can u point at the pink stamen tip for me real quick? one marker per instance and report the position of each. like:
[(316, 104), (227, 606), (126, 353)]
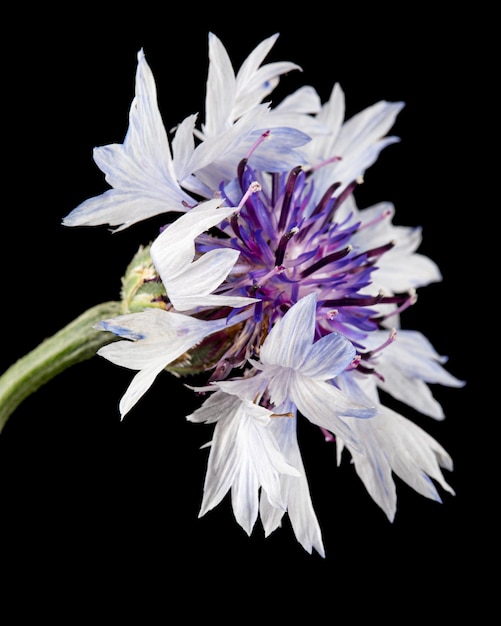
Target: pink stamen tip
[(326, 162), (391, 338), (263, 137), (410, 301), (329, 437), (355, 363), (254, 187), (332, 314), (379, 218), (278, 269)]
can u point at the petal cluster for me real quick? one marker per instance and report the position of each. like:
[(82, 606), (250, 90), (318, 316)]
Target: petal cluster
[(297, 374)]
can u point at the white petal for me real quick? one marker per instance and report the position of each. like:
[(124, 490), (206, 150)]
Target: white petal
[(139, 385), (244, 456), (229, 97), (193, 287), (304, 100), (221, 89), (407, 365), (213, 408), (174, 248), (411, 391), (393, 444), (358, 141), (398, 273), (374, 470), (157, 338), (417, 357), (183, 147), (254, 83), (295, 492), (189, 283), (324, 405), (332, 116), (140, 171), (368, 126)]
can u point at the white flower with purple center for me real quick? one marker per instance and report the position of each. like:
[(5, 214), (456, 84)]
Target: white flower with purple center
[(276, 286)]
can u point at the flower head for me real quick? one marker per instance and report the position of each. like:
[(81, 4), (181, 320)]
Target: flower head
[(276, 286)]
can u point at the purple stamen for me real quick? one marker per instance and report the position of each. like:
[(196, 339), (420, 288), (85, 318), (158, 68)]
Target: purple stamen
[(382, 216), (377, 252), (282, 245), (316, 167), (330, 258), (409, 301), (263, 137), (391, 338), (289, 190)]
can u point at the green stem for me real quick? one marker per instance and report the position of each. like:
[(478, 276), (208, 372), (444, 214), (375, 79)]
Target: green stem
[(74, 343)]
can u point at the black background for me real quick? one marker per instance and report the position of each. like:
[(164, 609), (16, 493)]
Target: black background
[(92, 508)]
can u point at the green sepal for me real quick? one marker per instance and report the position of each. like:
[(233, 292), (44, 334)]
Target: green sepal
[(141, 284)]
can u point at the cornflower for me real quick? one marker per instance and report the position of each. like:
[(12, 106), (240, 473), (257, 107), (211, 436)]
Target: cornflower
[(275, 286)]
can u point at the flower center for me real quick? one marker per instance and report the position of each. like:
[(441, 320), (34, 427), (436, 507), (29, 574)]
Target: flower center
[(289, 247)]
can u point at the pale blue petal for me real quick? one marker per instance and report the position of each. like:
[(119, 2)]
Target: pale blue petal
[(245, 498), (394, 445), (253, 90), (146, 138), (222, 149), (412, 391), (327, 357), (280, 152), (292, 335), (279, 381), (397, 272)]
